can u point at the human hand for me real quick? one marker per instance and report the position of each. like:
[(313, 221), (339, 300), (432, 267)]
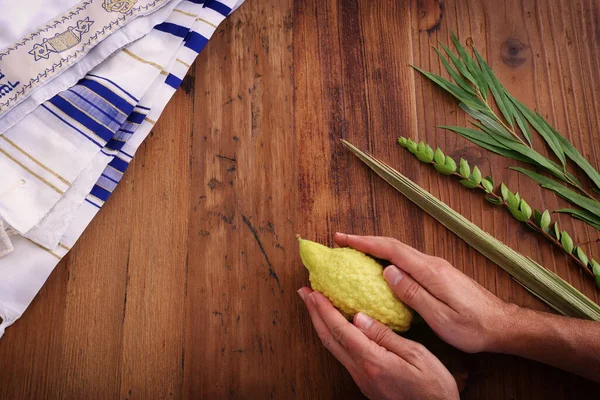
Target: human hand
[(383, 365), (458, 309)]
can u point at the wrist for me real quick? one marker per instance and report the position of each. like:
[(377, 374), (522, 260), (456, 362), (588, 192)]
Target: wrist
[(509, 329)]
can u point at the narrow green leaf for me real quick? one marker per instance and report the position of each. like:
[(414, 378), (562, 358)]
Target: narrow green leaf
[(476, 175), (464, 169), (583, 215), (566, 242), (576, 157), (468, 183), (543, 128), (592, 206), (455, 75), (459, 64), (453, 89), (487, 185), (525, 208), (482, 139), (581, 255), (545, 220), (471, 66), (439, 157), (496, 88), (488, 121), (521, 121)]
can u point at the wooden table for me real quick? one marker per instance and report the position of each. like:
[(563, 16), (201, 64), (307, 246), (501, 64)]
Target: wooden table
[(185, 284)]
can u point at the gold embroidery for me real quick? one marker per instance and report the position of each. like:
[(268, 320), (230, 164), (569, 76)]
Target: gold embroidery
[(122, 6), (206, 22), (185, 13), (150, 120), (183, 62)]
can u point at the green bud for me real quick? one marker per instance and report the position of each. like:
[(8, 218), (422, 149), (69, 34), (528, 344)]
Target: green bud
[(581, 255), (411, 146), (468, 183), (487, 185), (402, 141), (556, 231), (512, 201), (476, 175), (439, 156), (518, 214), (596, 271), (450, 163), (545, 220), (504, 190), (464, 169), (443, 169), (525, 209), (425, 155), (421, 146), (566, 242)]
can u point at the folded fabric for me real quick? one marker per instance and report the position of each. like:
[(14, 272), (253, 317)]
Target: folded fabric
[(24, 270), (43, 154), (34, 67)]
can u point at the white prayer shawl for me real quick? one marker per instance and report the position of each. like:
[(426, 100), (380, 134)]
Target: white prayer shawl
[(24, 270), (55, 53)]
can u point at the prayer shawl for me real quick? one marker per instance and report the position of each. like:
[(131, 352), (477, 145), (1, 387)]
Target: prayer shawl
[(61, 163)]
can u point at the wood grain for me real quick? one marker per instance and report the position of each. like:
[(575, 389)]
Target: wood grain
[(184, 285)]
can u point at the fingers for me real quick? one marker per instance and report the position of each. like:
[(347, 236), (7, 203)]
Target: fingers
[(413, 294), (323, 331), (342, 331), (411, 352)]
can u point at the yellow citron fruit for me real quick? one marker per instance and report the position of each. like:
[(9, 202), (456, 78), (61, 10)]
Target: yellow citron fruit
[(353, 282)]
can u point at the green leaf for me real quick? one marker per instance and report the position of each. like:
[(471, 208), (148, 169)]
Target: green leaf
[(443, 169), (426, 154), (487, 185), (459, 64), (581, 255), (488, 121), (596, 271), (504, 191), (496, 88), (525, 209), (518, 214), (439, 157), (537, 217), (543, 128), (464, 169), (566, 242), (521, 122), (512, 201), (592, 206), (482, 139), (402, 141), (545, 220), (468, 183), (450, 163), (583, 215), (453, 89), (493, 200), (455, 75), (576, 157), (471, 66), (556, 231), (476, 175)]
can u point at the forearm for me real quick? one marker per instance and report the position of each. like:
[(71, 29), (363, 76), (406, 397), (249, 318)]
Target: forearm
[(566, 343)]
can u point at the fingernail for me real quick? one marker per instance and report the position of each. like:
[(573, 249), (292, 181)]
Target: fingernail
[(393, 275), (301, 293), (313, 298), (363, 321)]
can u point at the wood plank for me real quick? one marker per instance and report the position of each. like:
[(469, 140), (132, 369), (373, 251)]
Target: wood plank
[(184, 285)]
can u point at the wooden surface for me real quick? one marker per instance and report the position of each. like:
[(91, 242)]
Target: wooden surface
[(184, 286)]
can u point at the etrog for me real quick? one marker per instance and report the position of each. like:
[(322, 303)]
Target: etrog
[(354, 283)]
